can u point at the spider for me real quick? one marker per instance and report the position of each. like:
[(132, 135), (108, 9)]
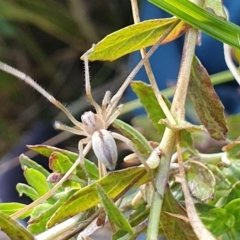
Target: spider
[(93, 126)]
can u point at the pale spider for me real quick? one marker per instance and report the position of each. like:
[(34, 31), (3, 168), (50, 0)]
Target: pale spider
[(93, 126)]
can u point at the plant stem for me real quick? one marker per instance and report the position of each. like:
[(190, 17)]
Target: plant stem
[(149, 71), (198, 227), (168, 141), (166, 146)]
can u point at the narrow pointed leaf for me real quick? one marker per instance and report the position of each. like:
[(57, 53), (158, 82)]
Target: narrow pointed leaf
[(12, 207), (27, 162), (112, 211), (27, 190), (46, 151), (155, 113), (206, 102), (135, 37), (38, 224), (13, 229), (135, 136), (175, 228), (202, 19), (150, 103), (113, 184), (37, 180)]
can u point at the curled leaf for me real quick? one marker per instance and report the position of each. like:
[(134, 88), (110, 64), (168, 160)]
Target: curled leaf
[(201, 181)]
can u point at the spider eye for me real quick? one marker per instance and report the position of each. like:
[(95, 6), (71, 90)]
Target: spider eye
[(105, 148)]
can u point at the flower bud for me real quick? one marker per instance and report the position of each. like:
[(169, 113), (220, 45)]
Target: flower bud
[(55, 177), (105, 148), (154, 159)]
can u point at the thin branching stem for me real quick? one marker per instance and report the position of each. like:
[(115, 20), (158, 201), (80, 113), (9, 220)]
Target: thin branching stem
[(168, 141), (149, 71), (198, 227), (114, 100)]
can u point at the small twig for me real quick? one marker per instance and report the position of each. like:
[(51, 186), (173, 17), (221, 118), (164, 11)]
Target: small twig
[(60, 229), (198, 227), (79, 228), (149, 71)]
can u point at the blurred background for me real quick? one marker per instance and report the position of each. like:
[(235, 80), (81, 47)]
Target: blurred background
[(44, 39)]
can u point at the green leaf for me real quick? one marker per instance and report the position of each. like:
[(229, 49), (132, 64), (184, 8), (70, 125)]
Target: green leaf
[(37, 211), (46, 151), (59, 163), (37, 180), (233, 208), (12, 207), (233, 122), (146, 127), (26, 162), (27, 190), (114, 184), (218, 220), (206, 102), (150, 103), (13, 229), (234, 193), (202, 19), (135, 37), (40, 226), (112, 211), (172, 227), (155, 113), (38, 223), (221, 180), (232, 172), (233, 150), (139, 141), (201, 181)]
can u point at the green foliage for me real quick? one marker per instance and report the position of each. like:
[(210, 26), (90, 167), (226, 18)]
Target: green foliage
[(127, 196), (202, 19)]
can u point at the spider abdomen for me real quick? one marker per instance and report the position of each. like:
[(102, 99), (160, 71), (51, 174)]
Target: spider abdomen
[(105, 148)]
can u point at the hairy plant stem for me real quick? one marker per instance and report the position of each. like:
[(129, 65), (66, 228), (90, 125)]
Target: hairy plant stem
[(168, 141)]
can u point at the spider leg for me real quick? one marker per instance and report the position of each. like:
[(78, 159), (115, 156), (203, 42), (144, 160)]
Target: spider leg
[(88, 85), (113, 115), (72, 130), (22, 76), (105, 102), (81, 154)]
